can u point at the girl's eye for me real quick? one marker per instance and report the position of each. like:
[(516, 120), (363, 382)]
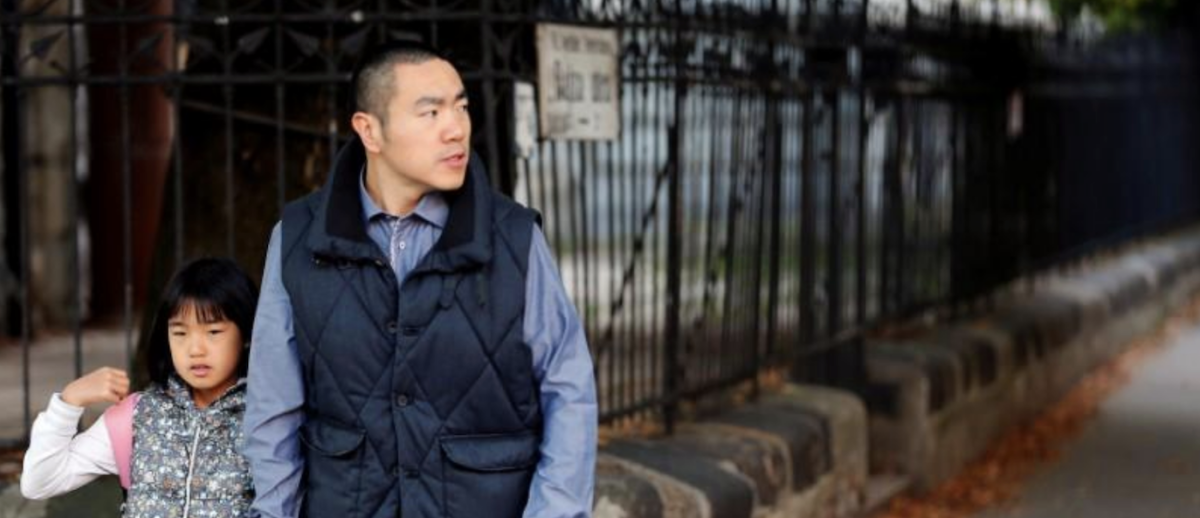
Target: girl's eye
[(178, 333), (215, 331), (462, 108)]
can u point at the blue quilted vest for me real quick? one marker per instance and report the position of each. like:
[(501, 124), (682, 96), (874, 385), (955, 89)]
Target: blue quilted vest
[(420, 397)]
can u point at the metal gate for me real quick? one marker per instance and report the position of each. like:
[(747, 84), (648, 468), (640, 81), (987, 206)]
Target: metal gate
[(789, 173)]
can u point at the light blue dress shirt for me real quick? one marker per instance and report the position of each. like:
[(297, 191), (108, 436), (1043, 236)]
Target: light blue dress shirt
[(563, 484)]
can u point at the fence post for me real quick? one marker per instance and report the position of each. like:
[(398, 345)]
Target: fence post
[(675, 143)]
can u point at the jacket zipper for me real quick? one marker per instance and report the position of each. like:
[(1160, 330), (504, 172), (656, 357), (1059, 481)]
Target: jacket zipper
[(187, 488)]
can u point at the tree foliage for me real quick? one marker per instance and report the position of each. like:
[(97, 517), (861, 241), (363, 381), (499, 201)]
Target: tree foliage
[(1121, 15)]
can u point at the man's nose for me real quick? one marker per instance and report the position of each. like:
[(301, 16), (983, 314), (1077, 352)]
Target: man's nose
[(456, 129)]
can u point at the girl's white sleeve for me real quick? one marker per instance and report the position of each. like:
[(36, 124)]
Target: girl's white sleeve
[(59, 461)]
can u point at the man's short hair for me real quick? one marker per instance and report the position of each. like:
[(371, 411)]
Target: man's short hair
[(374, 79)]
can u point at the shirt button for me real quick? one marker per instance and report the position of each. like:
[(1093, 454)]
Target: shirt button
[(402, 400), (392, 327), (402, 245)]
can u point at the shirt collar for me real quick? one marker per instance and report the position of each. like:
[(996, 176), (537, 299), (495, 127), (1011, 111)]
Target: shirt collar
[(432, 208)]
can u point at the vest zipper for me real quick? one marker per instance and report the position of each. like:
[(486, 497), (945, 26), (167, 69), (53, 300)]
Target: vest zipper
[(187, 488)]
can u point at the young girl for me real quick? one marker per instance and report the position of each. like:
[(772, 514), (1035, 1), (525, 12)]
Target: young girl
[(177, 445)]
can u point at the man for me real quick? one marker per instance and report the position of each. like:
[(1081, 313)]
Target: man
[(415, 353)]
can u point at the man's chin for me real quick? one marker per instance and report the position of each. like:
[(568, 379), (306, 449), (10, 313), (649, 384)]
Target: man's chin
[(450, 185), (452, 178)]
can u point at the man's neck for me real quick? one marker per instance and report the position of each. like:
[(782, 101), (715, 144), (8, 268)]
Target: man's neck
[(392, 194)]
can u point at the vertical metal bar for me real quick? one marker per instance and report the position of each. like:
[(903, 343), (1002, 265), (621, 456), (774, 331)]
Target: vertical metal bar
[(756, 232), (596, 244), (900, 214), (788, 233), (735, 169), (885, 224), (743, 238), (10, 132), (556, 200), (638, 340), (834, 269), (937, 216), (574, 206), (621, 335), (612, 241), (227, 91), (280, 106), (860, 283), (913, 221), (690, 282), (661, 284), (774, 167), (526, 171), (646, 195), (177, 150), (638, 160), (628, 234), (491, 119), (995, 121), (808, 252), (544, 203), (23, 191), (331, 70), (763, 163), (16, 190), (950, 252), (126, 188), (675, 223), (584, 236), (76, 310), (716, 129)]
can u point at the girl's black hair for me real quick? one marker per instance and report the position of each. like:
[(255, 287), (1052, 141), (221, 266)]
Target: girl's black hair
[(216, 289)]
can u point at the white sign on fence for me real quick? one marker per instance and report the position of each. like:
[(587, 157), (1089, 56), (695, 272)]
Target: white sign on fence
[(578, 81)]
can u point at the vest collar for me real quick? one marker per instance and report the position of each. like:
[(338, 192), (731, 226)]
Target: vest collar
[(232, 399), (339, 231)]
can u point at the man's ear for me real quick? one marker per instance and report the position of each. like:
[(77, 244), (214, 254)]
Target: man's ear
[(369, 129)]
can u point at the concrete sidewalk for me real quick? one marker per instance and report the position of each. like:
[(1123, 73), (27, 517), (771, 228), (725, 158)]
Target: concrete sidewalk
[(1139, 457)]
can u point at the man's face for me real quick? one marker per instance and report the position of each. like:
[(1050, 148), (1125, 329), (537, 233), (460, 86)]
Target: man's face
[(427, 137)]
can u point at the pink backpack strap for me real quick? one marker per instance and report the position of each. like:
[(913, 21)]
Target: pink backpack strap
[(118, 419)]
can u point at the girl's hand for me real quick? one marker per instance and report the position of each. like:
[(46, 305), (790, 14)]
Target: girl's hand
[(103, 384)]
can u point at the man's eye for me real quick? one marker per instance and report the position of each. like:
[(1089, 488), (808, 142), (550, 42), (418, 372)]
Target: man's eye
[(431, 113)]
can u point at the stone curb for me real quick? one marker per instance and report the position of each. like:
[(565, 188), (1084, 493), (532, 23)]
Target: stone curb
[(802, 452), (938, 400)]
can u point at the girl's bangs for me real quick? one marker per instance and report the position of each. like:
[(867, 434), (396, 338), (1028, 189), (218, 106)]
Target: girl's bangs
[(207, 311)]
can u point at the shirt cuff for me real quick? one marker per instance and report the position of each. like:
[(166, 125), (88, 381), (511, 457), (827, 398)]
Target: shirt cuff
[(62, 415)]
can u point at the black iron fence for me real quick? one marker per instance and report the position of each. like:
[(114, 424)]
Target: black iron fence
[(788, 174)]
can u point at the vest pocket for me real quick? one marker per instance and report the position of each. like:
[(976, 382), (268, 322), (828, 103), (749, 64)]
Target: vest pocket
[(333, 467), (488, 475)]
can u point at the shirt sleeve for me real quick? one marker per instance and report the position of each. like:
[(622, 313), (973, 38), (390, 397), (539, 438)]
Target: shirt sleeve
[(563, 484), (274, 397), (59, 461)]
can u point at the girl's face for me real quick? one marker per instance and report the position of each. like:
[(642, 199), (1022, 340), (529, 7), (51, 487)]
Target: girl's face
[(205, 355)]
